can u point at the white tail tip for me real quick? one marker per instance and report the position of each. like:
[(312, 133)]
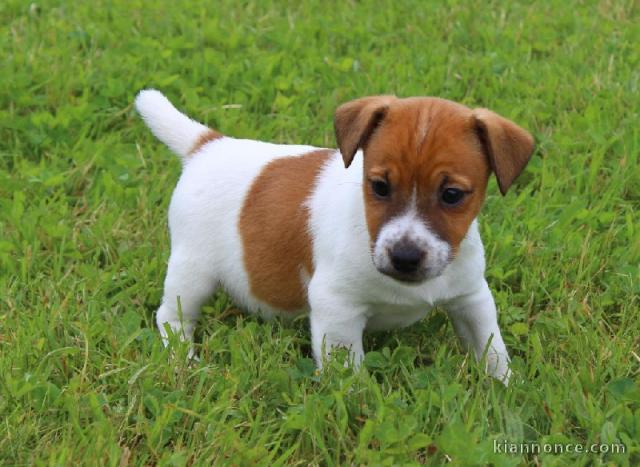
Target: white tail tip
[(168, 124)]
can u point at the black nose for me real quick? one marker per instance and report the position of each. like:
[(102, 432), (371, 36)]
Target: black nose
[(406, 258)]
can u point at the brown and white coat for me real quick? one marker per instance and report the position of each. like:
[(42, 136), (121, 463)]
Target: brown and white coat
[(369, 236)]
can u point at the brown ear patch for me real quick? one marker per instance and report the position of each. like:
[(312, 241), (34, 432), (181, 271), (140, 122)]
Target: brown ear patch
[(203, 139), (355, 122), (273, 225), (507, 146)]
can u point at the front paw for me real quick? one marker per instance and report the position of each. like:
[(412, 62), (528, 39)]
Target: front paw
[(350, 357), (498, 367)]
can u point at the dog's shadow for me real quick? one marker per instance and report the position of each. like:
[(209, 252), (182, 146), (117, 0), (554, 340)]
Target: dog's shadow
[(424, 337)]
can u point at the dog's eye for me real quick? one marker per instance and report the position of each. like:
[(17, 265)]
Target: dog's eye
[(452, 196), (380, 188)]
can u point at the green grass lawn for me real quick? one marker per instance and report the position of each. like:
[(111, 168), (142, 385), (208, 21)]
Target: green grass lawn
[(84, 189)]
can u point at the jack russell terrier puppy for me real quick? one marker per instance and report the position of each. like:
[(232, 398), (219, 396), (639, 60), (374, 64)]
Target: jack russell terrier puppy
[(366, 237)]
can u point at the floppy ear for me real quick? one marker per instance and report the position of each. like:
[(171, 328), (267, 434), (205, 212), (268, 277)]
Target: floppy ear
[(508, 146), (356, 121)]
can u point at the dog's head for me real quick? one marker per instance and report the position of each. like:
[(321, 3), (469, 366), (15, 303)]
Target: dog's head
[(426, 166)]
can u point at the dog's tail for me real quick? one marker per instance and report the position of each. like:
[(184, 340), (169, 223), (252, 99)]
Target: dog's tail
[(180, 133)]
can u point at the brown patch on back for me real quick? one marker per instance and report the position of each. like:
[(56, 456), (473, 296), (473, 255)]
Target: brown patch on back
[(274, 229), (203, 139)]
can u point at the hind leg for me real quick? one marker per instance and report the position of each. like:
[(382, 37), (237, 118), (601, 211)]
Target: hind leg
[(189, 283)]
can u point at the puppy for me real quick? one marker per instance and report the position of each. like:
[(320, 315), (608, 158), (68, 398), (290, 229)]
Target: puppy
[(366, 237)]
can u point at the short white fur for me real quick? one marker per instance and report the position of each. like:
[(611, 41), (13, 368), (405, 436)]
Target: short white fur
[(411, 227), (347, 294), (170, 126)]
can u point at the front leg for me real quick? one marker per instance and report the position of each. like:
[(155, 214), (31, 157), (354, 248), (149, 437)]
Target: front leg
[(475, 320), (335, 322)]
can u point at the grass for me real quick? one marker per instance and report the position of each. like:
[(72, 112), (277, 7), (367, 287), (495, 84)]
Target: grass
[(84, 189)]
